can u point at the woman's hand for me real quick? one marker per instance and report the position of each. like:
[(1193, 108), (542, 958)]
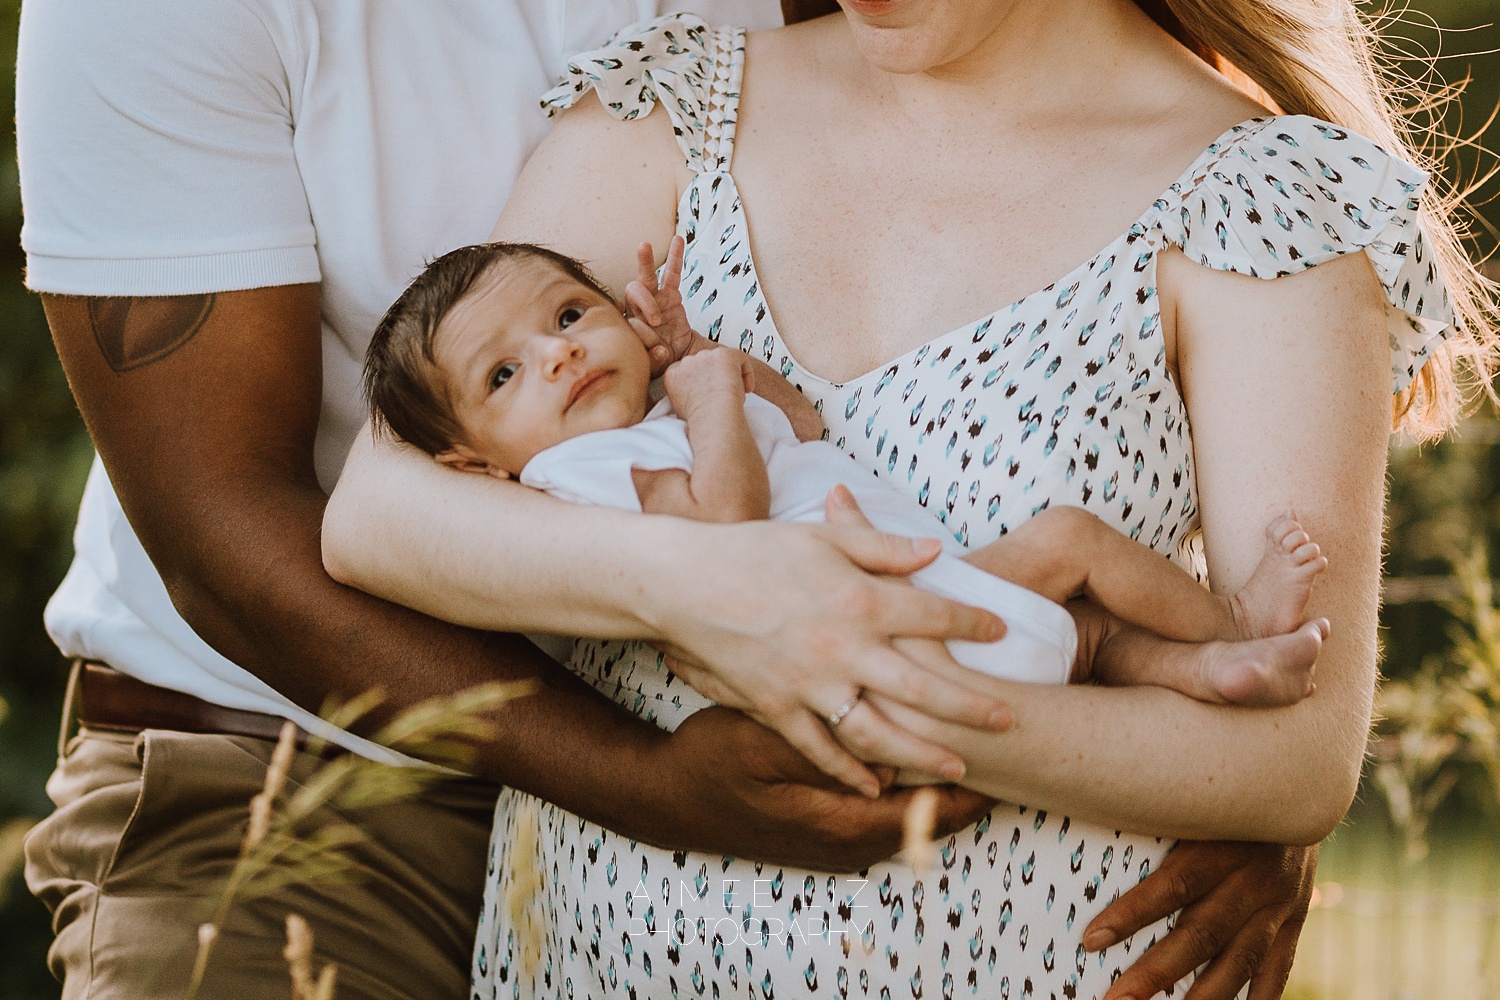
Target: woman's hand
[(792, 650), (1243, 906)]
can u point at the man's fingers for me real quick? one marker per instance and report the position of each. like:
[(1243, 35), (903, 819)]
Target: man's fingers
[(958, 809), (1238, 963), (1270, 979), (1188, 872), (1196, 939)]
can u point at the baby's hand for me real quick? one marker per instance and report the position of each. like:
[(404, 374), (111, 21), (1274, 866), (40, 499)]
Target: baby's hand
[(656, 311), (716, 375)]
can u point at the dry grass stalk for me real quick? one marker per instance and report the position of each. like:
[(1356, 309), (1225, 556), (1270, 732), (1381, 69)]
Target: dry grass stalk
[(917, 847), (299, 954), (522, 900), (290, 839), (276, 772), (12, 856), (208, 933), (12, 835)]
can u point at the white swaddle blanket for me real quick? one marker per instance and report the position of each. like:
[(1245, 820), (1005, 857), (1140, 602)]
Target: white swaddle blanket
[(1040, 641)]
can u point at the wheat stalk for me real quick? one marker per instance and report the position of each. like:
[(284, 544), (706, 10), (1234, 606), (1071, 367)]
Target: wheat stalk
[(279, 849), (917, 847)]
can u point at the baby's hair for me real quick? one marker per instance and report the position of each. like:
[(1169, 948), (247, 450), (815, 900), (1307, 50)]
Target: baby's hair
[(407, 395)]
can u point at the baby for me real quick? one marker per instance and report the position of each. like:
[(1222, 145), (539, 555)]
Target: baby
[(511, 360)]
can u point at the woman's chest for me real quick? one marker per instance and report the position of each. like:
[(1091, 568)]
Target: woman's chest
[(1062, 397), (987, 427), (864, 257)]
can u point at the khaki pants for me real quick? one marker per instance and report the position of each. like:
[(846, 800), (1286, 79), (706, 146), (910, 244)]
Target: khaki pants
[(147, 829)]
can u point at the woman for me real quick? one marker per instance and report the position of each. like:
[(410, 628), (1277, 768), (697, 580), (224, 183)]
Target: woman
[(905, 168)]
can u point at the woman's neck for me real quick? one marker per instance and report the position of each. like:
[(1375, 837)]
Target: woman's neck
[(1029, 60)]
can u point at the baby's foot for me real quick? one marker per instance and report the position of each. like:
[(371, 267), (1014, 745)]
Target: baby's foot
[(1273, 601), (1261, 672)]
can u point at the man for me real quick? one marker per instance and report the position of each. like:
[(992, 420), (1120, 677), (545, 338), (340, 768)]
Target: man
[(221, 198)]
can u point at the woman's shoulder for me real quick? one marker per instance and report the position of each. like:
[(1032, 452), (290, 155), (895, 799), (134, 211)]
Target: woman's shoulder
[(679, 61), (1279, 194), (1282, 193)]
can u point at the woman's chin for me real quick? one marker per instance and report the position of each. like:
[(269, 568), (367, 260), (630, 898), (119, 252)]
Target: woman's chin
[(884, 50), (912, 36)]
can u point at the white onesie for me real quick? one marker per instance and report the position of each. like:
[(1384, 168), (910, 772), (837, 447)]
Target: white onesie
[(1040, 640)]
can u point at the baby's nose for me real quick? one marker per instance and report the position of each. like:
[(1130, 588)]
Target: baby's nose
[(558, 352)]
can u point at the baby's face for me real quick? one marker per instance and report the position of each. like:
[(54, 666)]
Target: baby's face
[(531, 358)]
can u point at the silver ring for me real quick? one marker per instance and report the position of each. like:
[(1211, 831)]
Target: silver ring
[(839, 714)]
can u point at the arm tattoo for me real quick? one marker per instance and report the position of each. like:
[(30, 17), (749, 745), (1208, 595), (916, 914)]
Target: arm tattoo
[(132, 332)]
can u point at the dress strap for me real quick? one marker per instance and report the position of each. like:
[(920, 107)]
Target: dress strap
[(692, 69), (724, 98)]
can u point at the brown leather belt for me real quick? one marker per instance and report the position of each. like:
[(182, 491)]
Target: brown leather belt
[(114, 702)]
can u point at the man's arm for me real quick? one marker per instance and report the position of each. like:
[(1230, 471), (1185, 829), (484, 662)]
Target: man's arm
[(204, 410)]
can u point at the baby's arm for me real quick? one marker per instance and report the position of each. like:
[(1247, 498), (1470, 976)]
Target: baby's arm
[(657, 314), (728, 481)]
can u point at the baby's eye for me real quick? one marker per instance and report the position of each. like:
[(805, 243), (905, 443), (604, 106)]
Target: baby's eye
[(568, 317), (503, 374)]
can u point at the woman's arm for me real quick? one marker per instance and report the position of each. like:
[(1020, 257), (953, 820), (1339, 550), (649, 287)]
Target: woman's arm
[(1287, 386), (788, 648)]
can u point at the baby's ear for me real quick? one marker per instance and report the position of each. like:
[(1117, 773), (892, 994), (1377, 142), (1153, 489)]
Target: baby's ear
[(465, 459)]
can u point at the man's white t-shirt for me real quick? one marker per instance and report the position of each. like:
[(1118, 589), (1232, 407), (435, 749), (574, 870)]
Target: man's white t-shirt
[(172, 147)]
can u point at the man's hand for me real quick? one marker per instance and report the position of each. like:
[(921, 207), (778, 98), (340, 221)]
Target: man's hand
[(655, 308), (745, 792), (1243, 906)]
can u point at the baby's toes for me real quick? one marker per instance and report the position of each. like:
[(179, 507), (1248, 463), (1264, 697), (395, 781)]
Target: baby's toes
[(1294, 540), (1309, 556), (1283, 525)]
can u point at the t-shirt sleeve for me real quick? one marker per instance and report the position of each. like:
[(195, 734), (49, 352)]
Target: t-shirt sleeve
[(155, 141)]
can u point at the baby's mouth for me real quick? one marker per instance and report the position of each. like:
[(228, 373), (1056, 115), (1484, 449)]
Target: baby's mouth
[(585, 383)]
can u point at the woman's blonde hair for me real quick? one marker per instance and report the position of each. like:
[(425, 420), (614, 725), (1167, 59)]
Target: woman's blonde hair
[(1323, 58)]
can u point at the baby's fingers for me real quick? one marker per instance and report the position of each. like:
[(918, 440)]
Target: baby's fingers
[(672, 271), (661, 354), (642, 302), (645, 266)]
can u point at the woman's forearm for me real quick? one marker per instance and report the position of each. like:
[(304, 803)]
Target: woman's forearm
[(1150, 759), (487, 554)]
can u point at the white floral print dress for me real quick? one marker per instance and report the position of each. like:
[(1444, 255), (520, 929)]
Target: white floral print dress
[(1061, 397)]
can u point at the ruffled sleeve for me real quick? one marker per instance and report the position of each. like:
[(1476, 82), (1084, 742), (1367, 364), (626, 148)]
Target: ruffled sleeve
[(1276, 196), (670, 59)]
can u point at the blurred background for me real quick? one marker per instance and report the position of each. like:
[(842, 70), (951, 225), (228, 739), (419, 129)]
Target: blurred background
[(1408, 903)]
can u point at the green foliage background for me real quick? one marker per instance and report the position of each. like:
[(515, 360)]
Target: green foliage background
[(1442, 497)]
